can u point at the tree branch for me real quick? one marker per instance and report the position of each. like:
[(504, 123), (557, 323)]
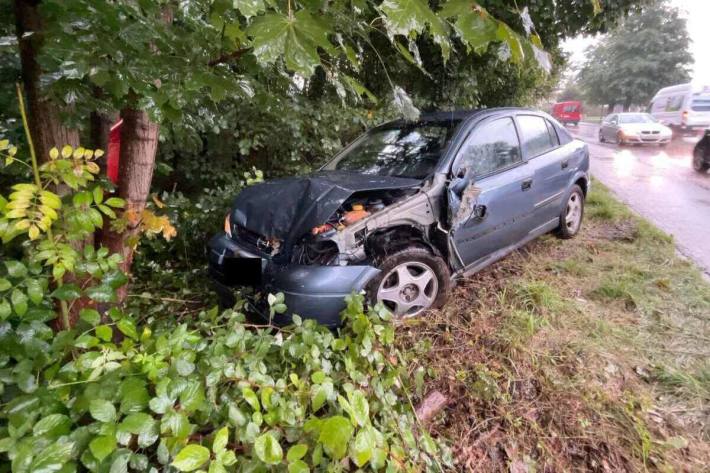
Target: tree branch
[(228, 57)]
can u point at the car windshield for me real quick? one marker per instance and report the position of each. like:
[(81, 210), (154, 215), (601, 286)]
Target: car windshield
[(411, 150), (636, 118)]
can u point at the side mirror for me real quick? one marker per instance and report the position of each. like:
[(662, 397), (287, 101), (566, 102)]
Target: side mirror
[(461, 172)]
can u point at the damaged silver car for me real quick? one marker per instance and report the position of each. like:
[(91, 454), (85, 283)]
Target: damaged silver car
[(403, 212)]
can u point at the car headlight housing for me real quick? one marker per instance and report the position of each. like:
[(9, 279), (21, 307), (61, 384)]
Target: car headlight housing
[(629, 133), (228, 225)]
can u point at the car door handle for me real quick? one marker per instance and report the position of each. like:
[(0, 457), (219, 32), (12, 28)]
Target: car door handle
[(564, 164), (527, 184)]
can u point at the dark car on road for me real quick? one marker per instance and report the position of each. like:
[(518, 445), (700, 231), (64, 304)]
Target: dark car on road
[(404, 211), (701, 153)]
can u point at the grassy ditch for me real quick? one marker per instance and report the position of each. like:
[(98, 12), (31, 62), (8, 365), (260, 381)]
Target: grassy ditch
[(586, 354)]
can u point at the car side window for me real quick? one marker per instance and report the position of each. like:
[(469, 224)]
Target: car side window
[(490, 147), (535, 135), (553, 133)]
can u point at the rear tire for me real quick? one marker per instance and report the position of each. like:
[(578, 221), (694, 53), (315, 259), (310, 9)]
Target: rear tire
[(572, 214), (411, 281)]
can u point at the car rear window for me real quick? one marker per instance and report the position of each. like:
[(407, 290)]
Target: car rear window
[(536, 135)]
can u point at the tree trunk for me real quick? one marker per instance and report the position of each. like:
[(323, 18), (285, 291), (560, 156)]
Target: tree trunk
[(44, 117), (139, 144)]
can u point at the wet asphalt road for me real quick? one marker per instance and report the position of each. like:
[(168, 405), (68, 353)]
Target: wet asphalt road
[(659, 184)]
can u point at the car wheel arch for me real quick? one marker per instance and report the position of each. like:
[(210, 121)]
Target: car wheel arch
[(385, 241)]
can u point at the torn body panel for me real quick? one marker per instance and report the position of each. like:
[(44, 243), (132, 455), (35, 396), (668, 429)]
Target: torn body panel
[(421, 211)]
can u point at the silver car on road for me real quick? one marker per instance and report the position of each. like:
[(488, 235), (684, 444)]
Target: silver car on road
[(637, 128)]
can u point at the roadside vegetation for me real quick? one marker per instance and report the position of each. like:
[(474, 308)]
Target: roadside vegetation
[(587, 354)]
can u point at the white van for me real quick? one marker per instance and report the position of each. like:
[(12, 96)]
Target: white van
[(685, 107)]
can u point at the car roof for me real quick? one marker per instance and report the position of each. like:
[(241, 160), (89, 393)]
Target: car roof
[(460, 115)]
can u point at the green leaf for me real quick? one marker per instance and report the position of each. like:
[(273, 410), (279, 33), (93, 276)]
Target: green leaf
[(102, 446), (101, 293), (67, 292), (299, 466), (363, 447), (19, 302), (410, 18), (16, 269), (137, 423), (251, 399), (115, 202), (335, 434), (474, 26), (360, 407), (175, 423), (191, 458), (53, 457), (98, 194), (102, 410), (5, 309), (115, 279), (296, 39), (296, 452), (34, 290), (249, 8), (4, 284), (268, 450), (192, 397), (220, 440), (104, 332), (53, 425), (128, 328), (90, 316)]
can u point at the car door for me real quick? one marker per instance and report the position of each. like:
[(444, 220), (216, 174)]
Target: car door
[(549, 163), (490, 193)]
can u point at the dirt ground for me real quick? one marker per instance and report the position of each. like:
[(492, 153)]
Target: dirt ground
[(588, 354)]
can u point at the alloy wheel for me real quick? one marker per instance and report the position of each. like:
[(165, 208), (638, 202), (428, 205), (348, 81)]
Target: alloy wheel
[(408, 289), (573, 214)]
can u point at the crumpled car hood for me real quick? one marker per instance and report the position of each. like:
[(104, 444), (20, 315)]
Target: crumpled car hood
[(288, 208)]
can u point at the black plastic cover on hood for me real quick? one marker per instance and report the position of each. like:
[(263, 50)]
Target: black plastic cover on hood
[(288, 208)]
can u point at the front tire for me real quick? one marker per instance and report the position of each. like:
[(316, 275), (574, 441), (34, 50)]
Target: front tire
[(699, 163), (601, 137), (572, 214), (411, 281)]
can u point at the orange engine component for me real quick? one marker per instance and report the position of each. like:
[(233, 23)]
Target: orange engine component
[(358, 212), (321, 229)]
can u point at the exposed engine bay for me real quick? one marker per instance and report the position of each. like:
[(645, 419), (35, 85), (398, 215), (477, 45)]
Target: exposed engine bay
[(321, 246)]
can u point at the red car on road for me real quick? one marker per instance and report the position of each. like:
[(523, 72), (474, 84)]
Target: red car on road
[(567, 112)]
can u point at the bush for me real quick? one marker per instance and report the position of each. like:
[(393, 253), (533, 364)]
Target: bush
[(216, 393)]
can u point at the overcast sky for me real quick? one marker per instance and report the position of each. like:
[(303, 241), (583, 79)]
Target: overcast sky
[(697, 12)]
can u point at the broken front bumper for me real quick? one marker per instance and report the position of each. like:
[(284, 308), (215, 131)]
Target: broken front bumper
[(312, 292)]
